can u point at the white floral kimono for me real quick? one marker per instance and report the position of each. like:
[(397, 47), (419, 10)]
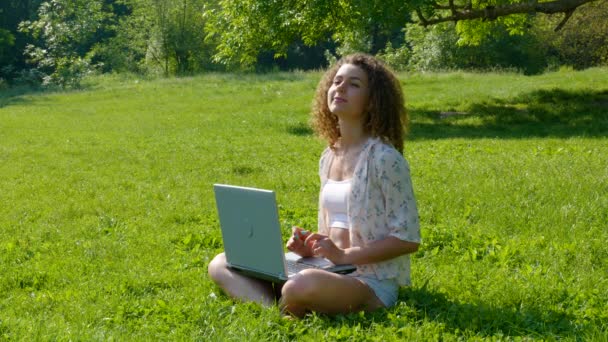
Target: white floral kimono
[(381, 204)]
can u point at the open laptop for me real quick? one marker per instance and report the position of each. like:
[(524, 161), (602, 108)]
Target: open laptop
[(251, 232)]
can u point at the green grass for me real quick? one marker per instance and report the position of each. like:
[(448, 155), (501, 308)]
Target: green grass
[(107, 218)]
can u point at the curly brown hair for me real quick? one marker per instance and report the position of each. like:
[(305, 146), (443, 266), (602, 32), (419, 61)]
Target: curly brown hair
[(386, 119)]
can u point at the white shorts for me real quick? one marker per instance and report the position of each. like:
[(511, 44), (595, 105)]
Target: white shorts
[(387, 290)]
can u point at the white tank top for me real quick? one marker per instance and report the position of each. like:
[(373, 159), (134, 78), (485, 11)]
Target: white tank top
[(334, 198)]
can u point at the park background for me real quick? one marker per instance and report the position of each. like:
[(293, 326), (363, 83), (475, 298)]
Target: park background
[(116, 117), (58, 42)]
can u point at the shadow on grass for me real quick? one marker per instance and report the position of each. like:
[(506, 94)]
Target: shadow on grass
[(15, 95), (542, 113), (300, 129), (465, 319), (485, 320)]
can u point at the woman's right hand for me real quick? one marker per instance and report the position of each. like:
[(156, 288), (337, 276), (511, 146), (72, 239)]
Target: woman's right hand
[(296, 242)]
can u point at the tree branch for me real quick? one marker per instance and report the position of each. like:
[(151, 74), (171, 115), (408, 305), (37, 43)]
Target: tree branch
[(458, 13), (563, 22), (423, 21), (450, 6)]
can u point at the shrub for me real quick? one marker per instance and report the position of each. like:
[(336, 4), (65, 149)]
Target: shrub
[(582, 42), (439, 48)]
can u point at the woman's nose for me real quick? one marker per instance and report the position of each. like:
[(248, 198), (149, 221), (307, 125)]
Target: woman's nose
[(340, 86)]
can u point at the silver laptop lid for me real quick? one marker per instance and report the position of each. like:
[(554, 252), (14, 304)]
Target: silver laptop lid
[(251, 232)]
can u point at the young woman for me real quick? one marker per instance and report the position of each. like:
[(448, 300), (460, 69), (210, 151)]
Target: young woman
[(367, 211)]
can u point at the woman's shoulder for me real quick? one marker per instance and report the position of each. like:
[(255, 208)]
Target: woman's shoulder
[(326, 151), (324, 160), (325, 154), (383, 152), (384, 159)]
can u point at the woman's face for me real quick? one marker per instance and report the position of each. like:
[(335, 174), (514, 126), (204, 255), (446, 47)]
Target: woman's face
[(348, 96)]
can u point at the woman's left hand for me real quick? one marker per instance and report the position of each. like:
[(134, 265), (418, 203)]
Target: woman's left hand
[(322, 245)]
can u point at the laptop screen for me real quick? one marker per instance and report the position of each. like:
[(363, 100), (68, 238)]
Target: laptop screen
[(250, 229)]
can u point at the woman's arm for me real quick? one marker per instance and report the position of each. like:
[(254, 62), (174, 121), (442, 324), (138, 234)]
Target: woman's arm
[(377, 251)]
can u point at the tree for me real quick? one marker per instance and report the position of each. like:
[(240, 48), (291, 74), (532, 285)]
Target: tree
[(434, 13), (178, 34), (124, 50), (244, 28), (583, 42), (13, 42), (436, 48), (7, 41), (166, 36), (65, 31), (247, 27)]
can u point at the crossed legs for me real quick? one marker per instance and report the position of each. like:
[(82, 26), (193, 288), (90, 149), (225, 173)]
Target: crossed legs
[(240, 286), (327, 293), (310, 290)]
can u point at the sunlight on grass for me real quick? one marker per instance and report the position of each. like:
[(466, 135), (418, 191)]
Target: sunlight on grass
[(108, 220)]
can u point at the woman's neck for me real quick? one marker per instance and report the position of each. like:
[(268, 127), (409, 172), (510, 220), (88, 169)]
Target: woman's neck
[(351, 134)]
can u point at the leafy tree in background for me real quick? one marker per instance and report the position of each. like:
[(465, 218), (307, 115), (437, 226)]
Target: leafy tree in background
[(437, 49), (65, 39), (434, 12), (124, 50), (65, 32), (178, 40), (247, 27), (166, 36), (582, 43), (13, 42), (70, 38), (7, 41), (244, 28)]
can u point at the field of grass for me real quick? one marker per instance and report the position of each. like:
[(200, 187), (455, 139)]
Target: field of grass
[(107, 218)]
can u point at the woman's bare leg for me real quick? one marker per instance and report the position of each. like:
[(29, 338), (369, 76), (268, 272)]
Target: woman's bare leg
[(328, 293), (240, 286)]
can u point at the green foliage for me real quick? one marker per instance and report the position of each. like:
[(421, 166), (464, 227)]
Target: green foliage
[(13, 42), (431, 49), (582, 42), (475, 32), (245, 28), (125, 51), (7, 40), (439, 48), (109, 221), (65, 30), (397, 58), (177, 37), (66, 39), (160, 36), (76, 37)]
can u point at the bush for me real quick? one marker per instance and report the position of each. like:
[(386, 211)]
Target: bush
[(29, 77), (396, 58), (582, 42), (68, 72), (438, 48)]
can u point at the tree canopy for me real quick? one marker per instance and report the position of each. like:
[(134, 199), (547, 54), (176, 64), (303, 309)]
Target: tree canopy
[(248, 26), (59, 41), (435, 12)]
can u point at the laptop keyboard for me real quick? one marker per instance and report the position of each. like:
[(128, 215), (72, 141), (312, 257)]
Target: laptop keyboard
[(295, 267)]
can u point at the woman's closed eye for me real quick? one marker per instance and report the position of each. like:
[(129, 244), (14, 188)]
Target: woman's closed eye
[(352, 84)]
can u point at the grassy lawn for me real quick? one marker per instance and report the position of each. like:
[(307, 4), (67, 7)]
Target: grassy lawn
[(107, 218)]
